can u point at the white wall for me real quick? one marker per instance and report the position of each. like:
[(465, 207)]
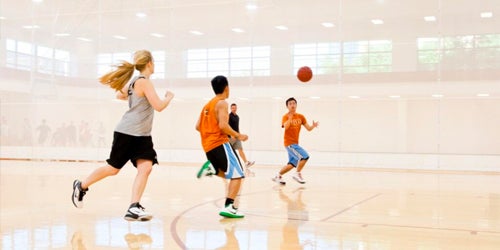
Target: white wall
[(407, 133)]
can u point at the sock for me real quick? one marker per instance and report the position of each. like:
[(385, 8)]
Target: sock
[(228, 202), (135, 204)]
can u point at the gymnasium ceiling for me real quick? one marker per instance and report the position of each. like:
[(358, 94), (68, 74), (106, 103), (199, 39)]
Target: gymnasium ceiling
[(113, 25)]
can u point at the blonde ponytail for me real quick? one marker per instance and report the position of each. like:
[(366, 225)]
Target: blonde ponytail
[(118, 78)]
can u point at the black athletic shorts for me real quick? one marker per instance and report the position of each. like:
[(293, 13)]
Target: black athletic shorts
[(127, 147)]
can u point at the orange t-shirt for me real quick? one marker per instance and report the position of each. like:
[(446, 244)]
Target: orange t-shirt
[(292, 133), (211, 135)]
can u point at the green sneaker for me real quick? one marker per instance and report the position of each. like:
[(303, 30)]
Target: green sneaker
[(231, 212), (206, 170)]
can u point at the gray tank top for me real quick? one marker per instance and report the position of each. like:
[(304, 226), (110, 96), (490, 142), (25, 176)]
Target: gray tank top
[(138, 120)]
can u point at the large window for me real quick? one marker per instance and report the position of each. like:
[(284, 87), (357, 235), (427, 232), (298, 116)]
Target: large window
[(47, 60), (459, 52), (354, 57), (107, 61), (236, 62), (322, 58), (367, 56)]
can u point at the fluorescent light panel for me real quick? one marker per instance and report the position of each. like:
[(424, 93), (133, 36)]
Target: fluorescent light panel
[(430, 18), (195, 32), (486, 14), (157, 35), (327, 25), (237, 30)]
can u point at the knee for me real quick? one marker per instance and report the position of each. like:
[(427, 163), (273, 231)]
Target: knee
[(145, 169), (113, 171)]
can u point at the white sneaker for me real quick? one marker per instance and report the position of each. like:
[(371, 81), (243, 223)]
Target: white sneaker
[(298, 177), (279, 179), (136, 213), (230, 212), (249, 164), (78, 193)]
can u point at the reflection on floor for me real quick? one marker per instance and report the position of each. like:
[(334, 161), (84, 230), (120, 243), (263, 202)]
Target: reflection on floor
[(336, 209)]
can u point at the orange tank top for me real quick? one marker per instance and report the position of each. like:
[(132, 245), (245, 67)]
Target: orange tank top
[(291, 135), (211, 135)]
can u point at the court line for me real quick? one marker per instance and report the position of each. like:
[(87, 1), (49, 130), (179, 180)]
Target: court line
[(472, 231), (348, 208), (173, 224)]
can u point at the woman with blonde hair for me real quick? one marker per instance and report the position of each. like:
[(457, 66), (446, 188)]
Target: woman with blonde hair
[(132, 136)]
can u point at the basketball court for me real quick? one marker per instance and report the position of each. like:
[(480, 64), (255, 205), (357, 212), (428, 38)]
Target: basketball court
[(335, 209), (401, 108)]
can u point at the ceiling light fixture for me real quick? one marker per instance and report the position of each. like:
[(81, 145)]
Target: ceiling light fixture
[(237, 30), (430, 18), (328, 25), (157, 35), (281, 27), (62, 34), (251, 6), (483, 95), (84, 39), (486, 14), (120, 37), (437, 95), (31, 26), (195, 32), (377, 21), (141, 15)]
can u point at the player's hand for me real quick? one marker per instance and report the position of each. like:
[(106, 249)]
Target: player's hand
[(242, 137), (315, 124), (169, 95)]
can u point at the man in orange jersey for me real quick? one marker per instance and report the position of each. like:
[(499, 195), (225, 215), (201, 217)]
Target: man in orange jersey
[(297, 156), (222, 159)]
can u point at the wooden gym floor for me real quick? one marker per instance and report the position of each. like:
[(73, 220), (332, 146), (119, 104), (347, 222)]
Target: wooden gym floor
[(335, 209)]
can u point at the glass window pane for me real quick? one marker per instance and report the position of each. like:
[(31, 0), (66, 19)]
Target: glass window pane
[(62, 55), (197, 54), (197, 74), (241, 64), (218, 53), (261, 63), (45, 52), (25, 48), (197, 66), (118, 57), (380, 45), (304, 49), (11, 45), (104, 58), (428, 43), (216, 65), (262, 51), (11, 59), (241, 52), (305, 60), (45, 65)]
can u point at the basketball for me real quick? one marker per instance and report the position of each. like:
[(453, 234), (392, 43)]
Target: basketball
[(304, 74)]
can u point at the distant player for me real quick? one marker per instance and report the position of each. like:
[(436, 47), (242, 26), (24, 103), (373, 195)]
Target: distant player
[(234, 122), (292, 122)]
